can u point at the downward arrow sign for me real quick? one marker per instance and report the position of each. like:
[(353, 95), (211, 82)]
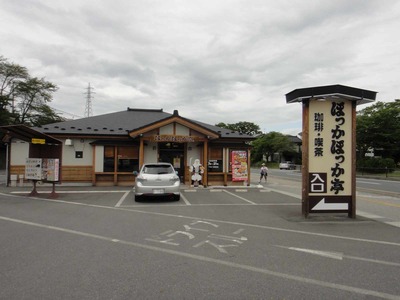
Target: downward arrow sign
[(322, 205)]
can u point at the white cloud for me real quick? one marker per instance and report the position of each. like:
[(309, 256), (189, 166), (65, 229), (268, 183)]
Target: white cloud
[(214, 61)]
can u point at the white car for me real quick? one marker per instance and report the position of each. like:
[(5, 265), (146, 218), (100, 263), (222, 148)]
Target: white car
[(287, 165), (157, 179)]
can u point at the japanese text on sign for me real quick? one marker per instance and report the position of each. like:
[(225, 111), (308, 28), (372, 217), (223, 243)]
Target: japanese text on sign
[(329, 146), (337, 147)]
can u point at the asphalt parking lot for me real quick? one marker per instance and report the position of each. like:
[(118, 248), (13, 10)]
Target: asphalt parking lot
[(215, 243)]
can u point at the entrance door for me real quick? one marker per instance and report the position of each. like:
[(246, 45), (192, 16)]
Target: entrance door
[(174, 154)]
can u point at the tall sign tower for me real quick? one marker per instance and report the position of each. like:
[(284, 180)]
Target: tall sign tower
[(329, 147), (89, 96)]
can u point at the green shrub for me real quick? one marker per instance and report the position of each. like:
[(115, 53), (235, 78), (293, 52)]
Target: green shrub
[(376, 165)]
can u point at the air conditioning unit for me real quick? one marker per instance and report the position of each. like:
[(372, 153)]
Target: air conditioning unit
[(68, 142)]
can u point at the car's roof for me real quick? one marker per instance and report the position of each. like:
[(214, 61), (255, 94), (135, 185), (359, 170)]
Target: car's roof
[(161, 164)]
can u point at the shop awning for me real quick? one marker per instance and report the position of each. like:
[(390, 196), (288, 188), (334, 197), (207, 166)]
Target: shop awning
[(331, 91), (27, 134)]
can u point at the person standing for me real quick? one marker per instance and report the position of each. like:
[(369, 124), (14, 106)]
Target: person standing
[(263, 172)]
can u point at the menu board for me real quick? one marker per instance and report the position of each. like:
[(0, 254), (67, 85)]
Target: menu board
[(215, 165), (45, 169), (33, 168)]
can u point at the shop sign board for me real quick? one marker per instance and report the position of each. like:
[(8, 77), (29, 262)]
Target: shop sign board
[(239, 165), (215, 165), (45, 169), (38, 141), (330, 156), (33, 168), (173, 138)]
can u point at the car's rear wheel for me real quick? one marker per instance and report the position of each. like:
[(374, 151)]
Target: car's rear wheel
[(138, 198), (177, 197)]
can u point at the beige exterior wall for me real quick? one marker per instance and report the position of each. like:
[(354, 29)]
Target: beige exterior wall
[(19, 152), (99, 158), (168, 129), (182, 130), (78, 145), (150, 155), (194, 153)]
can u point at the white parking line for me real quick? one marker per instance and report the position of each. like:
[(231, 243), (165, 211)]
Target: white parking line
[(122, 199), (69, 192), (244, 199), (185, 200)]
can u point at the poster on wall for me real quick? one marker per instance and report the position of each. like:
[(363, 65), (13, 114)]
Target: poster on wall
[(177, 162), (239, 165), (51, 169)]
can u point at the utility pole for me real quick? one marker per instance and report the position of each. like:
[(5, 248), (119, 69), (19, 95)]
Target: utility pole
[(88, 106)]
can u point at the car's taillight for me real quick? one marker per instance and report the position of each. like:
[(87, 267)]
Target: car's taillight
[(141, 179), (174, 179)]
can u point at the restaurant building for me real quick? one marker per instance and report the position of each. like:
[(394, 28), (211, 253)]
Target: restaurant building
[(104, 150)]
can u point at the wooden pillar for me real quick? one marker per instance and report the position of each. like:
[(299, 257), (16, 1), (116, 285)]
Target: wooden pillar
[(94, 165), (205, 164), (305, 167), (115, 165), (248, 167), (352, 211), (141, 153)]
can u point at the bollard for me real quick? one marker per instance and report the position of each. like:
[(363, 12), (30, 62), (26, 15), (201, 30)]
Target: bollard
[(21, 180), (13, 179)]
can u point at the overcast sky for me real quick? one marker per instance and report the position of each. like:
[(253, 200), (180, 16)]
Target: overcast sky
[(212, 60)]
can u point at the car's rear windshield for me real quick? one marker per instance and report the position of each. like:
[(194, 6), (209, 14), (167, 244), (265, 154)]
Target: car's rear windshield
[(157, 169)]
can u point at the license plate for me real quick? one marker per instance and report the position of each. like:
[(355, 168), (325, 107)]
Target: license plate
[(158, 191)]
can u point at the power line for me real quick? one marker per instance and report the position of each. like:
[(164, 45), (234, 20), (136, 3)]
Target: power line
[(64, 112)]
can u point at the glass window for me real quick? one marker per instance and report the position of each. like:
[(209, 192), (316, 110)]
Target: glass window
[(108, 159), (158, 169), (128, 158)]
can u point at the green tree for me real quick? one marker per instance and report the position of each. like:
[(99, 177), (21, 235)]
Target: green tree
[(45, 115), (269, 144), (378, 127), (11, 75), (24, 99), (242, 127), (34, 94)]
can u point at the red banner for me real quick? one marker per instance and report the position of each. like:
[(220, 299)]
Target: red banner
[(239, 165)]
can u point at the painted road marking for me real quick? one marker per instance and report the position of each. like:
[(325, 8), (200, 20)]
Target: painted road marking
[(244, 199), (70, 192), (122, 199), (53, 201), (341, 256), (185, 200), (215, 261)]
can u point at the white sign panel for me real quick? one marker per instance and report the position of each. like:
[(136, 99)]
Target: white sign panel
[(330, 148), (47, 169), (33, 168)]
